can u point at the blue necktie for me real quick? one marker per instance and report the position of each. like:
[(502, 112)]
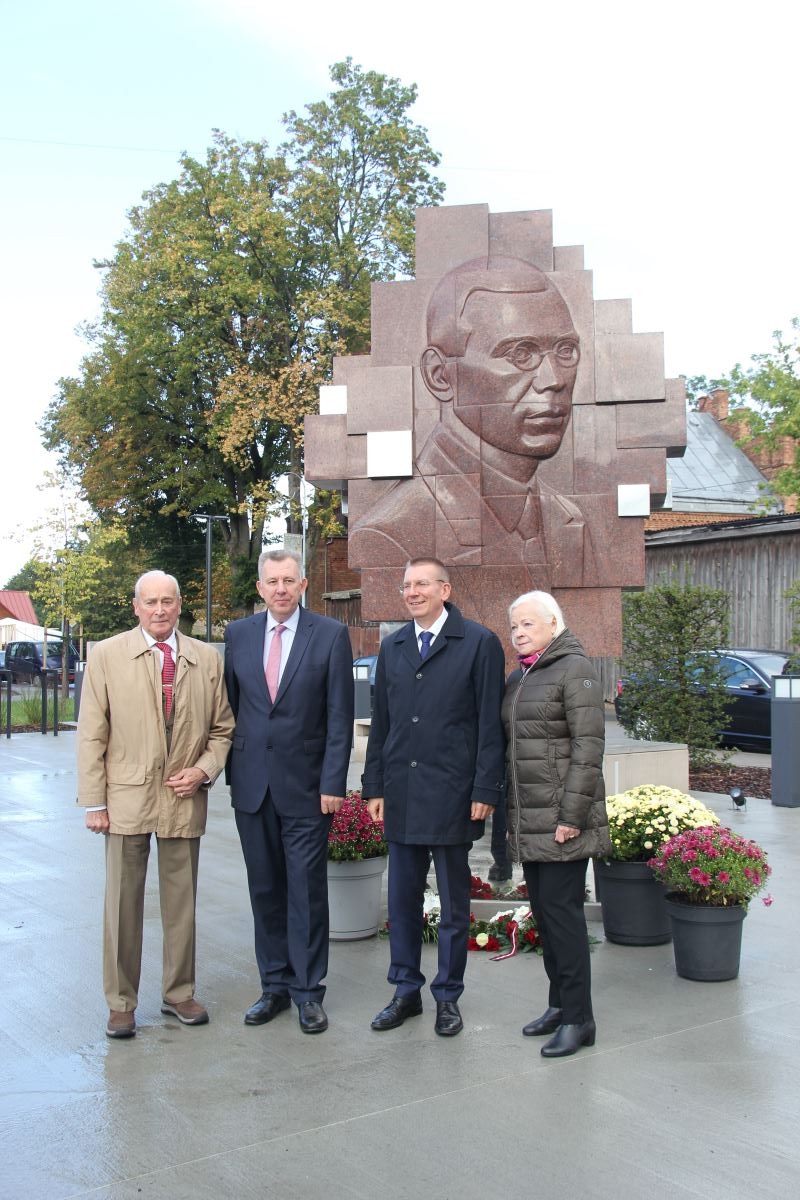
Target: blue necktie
[(426, 637)]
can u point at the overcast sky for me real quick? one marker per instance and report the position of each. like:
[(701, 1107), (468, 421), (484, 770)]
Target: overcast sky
[(663, 136)]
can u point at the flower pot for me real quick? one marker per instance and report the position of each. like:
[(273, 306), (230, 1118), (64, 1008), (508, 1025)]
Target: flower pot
[(706, 940), (632, 903), (354, 898)]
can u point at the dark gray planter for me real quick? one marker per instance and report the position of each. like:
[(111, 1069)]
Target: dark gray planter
[(632, 903), (706, 940)]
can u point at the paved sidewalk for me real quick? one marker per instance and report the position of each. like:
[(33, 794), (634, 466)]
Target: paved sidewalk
[(691, 1090)]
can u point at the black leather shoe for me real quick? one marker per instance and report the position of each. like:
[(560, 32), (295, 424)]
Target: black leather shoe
[(448, 1018), (548, 1022), (312, 1017), (270, 1004), (497, 873), (396, 1012), (568, 1039)]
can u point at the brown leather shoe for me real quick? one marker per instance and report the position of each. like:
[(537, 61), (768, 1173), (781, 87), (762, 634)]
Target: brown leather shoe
[(120, 1024), (188, 1012)]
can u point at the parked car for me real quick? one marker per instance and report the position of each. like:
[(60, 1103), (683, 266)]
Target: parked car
[(25, 660), (748, 678), (367, 663)]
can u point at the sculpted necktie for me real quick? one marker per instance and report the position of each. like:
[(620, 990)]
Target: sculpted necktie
[(167, 675), (273, 669), (426, 637)]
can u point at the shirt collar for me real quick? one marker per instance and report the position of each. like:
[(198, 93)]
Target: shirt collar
[(171, 641), (435, 629), (289, 623)]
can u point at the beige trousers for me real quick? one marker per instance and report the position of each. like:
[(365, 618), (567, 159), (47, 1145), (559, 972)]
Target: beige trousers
[(126, 871)]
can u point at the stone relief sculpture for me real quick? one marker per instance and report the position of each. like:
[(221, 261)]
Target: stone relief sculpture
[(504, 422)]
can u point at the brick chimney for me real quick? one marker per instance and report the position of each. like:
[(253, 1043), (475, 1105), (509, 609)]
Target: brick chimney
[(716, 404)]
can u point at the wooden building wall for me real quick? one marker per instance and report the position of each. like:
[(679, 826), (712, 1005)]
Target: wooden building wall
[(753, 561)]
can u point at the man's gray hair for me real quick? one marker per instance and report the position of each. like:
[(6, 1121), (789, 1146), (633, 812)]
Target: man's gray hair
[(546, 605), (137, 587), (280, 556)]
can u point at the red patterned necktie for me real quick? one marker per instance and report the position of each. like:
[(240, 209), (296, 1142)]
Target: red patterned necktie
[(167, 675), (273, 668)]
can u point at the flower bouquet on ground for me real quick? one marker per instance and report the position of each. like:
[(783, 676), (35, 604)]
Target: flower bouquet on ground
[(353, 833), (480, 890), (711, 866), (642, 818), (506, 933)]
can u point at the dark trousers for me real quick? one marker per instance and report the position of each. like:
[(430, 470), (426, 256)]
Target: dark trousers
[(499, 839), (287, 873), (408, 872), (556, 891)]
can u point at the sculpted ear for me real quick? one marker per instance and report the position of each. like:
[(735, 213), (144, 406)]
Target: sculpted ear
[(436, 373)]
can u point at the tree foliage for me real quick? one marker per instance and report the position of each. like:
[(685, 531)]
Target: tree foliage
[(766, 397), (769, 392), (223, 307), (674, 690)]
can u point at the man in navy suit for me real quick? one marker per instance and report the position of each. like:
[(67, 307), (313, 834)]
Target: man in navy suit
[(289, 675), (433, 772)]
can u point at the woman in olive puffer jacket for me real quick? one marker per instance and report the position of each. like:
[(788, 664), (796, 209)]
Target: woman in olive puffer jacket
[(555, 729)]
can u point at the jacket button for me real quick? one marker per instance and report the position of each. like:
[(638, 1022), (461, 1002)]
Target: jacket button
[(413, 764), (419, 674), (414, 720)]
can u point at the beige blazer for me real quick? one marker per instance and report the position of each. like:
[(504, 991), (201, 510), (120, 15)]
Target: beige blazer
[(122, 745)]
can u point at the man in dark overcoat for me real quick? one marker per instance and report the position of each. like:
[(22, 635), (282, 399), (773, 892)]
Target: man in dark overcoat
[(433, 773)]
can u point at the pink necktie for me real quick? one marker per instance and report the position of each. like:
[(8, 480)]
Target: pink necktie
[(167, 675), (273, 670)]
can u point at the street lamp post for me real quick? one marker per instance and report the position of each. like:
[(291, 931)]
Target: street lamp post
[(304, 514), (208, 518)]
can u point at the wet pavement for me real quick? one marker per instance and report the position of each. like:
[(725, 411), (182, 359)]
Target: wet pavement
[(690, 1091)]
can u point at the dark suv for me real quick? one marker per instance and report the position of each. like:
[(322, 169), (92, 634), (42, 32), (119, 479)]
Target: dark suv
[(25, 660)]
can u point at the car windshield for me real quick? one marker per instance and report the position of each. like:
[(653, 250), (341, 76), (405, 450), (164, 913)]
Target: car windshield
[(770, 664)]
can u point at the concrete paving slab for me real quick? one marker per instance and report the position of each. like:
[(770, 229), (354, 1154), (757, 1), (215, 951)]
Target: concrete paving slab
[(691, 1090)]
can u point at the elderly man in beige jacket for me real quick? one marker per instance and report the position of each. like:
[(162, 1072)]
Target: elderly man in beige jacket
[(154, 732)]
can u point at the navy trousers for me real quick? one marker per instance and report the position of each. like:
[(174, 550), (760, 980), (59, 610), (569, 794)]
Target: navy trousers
[(408, 872), (287, 873)]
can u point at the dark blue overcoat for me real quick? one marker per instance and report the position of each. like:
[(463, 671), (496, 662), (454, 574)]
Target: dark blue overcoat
[(436, 742)]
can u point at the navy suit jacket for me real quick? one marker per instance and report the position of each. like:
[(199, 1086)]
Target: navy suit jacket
[(436, 741), (299, 747)]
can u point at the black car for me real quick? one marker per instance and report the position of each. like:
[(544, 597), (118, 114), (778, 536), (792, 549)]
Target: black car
[(25, 660), (364, 668), (748, 678)]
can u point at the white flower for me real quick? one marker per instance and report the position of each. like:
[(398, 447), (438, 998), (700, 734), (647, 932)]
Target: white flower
[(482, 939)]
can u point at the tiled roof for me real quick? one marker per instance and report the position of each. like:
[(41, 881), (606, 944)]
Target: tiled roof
[(682, 520), (17, 605)]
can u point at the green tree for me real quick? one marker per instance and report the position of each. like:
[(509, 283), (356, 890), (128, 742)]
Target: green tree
[(769, 392), (674, 689), (223, 307), (24, 579)]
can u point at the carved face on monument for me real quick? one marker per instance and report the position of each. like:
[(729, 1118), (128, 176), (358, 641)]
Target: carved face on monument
[(504, 351)]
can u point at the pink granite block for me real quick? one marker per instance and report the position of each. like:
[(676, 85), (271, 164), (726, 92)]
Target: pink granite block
[(379, 400), (629, 367), (449, 236), (398, 321), (326, 450), (527, 235), (659, 423)]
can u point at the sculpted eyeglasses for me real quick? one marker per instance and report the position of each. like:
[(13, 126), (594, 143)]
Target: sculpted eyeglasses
[(420, 583)]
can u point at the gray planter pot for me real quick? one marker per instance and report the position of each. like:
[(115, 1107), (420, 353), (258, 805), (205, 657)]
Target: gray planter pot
[(706, 940), (632, 903)]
